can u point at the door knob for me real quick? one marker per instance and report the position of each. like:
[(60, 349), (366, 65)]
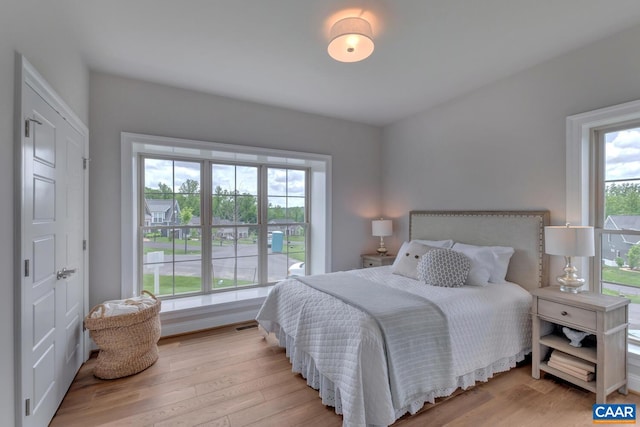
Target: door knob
[(64, 273)]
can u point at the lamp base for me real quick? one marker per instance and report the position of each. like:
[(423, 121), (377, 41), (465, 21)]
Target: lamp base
[(569, 281), (570, 284), (570, 289), (382, 251)]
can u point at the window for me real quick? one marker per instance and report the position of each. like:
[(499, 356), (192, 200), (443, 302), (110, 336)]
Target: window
[(205, 217), (616, 201), (171, 246), (603, 178)]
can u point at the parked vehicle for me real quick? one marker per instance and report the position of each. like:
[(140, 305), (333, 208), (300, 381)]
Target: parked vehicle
[(297, 269)]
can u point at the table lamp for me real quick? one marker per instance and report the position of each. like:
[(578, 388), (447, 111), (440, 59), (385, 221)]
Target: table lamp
[(381, 228), (569, 241)]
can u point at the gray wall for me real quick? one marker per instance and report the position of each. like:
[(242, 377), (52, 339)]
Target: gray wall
[(120, 104), (61, 65), (503, 146)]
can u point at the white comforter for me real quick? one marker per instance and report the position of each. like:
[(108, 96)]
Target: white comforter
[(339, 349)]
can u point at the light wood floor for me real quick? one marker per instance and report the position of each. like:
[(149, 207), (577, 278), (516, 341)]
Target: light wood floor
[(230, 377)]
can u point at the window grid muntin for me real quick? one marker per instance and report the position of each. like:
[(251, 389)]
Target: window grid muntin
[(206, 213)]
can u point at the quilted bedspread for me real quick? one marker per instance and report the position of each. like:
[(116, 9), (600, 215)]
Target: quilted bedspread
[(340, 351)]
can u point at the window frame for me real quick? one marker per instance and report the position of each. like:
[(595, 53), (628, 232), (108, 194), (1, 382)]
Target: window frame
[(318, 185), (598, 193), (582, 194)]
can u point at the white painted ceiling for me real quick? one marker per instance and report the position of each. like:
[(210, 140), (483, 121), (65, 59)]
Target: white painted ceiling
[(274, 51)]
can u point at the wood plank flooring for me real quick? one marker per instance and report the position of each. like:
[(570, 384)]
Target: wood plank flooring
[(230, 377)]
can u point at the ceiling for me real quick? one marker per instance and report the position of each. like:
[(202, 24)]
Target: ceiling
[(275, 51)]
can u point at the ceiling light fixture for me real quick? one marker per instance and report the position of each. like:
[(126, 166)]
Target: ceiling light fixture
[(351, 40)]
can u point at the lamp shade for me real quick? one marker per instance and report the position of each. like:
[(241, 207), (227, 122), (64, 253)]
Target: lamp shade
[(381, 227), (351, 40), (569, 240)]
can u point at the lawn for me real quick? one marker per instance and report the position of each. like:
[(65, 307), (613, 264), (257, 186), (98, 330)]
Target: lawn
[(623, 277)]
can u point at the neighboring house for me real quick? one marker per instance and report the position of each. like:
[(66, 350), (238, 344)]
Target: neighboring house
[(227, 233), (617, 246), (287, 228), (158, 212)]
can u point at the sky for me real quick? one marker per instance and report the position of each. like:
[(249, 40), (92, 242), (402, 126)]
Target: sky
[(623, 154), (281, 182)]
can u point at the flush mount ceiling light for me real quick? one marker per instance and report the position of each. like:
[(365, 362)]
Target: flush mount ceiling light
[(351, 40)]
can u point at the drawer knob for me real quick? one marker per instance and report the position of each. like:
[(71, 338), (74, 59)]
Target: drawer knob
[(564, 313)]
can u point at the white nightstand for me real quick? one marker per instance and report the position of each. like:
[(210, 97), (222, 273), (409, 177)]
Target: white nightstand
[(375, 260), (603, 316)]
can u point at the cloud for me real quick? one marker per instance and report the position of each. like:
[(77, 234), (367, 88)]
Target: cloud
[(281, 182), (623, 154)]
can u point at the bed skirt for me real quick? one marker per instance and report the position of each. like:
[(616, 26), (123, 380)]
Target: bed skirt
[(304, 364)]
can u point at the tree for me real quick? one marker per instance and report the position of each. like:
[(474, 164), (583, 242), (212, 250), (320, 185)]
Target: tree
[(276, 212), (247, 208), (162, 192), (223, 205), (189, 186), (633, 256), (622, 199), (296, 214), (185, 216), (189, 196)]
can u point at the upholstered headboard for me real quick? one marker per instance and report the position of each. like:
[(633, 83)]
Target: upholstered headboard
[(521, 230)]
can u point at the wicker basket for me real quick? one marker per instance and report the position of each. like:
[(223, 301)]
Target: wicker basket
[(127, 342)]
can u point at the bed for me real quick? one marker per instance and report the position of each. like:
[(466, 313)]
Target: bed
[(423, 342)]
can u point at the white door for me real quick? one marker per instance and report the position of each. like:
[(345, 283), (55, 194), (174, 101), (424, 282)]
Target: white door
[(52, 238)]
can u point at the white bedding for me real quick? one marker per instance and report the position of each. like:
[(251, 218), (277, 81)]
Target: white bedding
[(339, 350)]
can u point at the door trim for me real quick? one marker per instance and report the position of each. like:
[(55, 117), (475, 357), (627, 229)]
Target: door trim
[(25, 73)]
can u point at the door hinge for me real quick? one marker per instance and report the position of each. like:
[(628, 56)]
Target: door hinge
[(26, 268), (27, 407), (84, 163), (27, 126), (84, 245)]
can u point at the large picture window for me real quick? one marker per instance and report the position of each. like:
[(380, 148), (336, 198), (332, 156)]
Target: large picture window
[(208, 217)]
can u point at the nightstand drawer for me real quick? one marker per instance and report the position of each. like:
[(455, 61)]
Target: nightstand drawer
[(369, 263), (376, 260), (566, 313)]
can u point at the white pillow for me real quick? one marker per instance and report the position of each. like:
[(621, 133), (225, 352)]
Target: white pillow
[(481, 263), (401, 251), (501, 255), (447, 244), (444, 267), (406, 263)]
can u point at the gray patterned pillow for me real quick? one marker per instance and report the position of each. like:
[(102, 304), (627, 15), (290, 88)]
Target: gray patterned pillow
[(444, 267)]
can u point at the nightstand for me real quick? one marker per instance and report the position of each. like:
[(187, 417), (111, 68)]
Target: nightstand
[(603, 316), (375, 260)]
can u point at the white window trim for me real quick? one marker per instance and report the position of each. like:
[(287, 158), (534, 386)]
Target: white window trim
[(579, 128), (578, 140), (131, 144)]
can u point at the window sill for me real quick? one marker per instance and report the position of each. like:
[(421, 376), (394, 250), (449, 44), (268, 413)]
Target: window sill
[(190, 314)]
